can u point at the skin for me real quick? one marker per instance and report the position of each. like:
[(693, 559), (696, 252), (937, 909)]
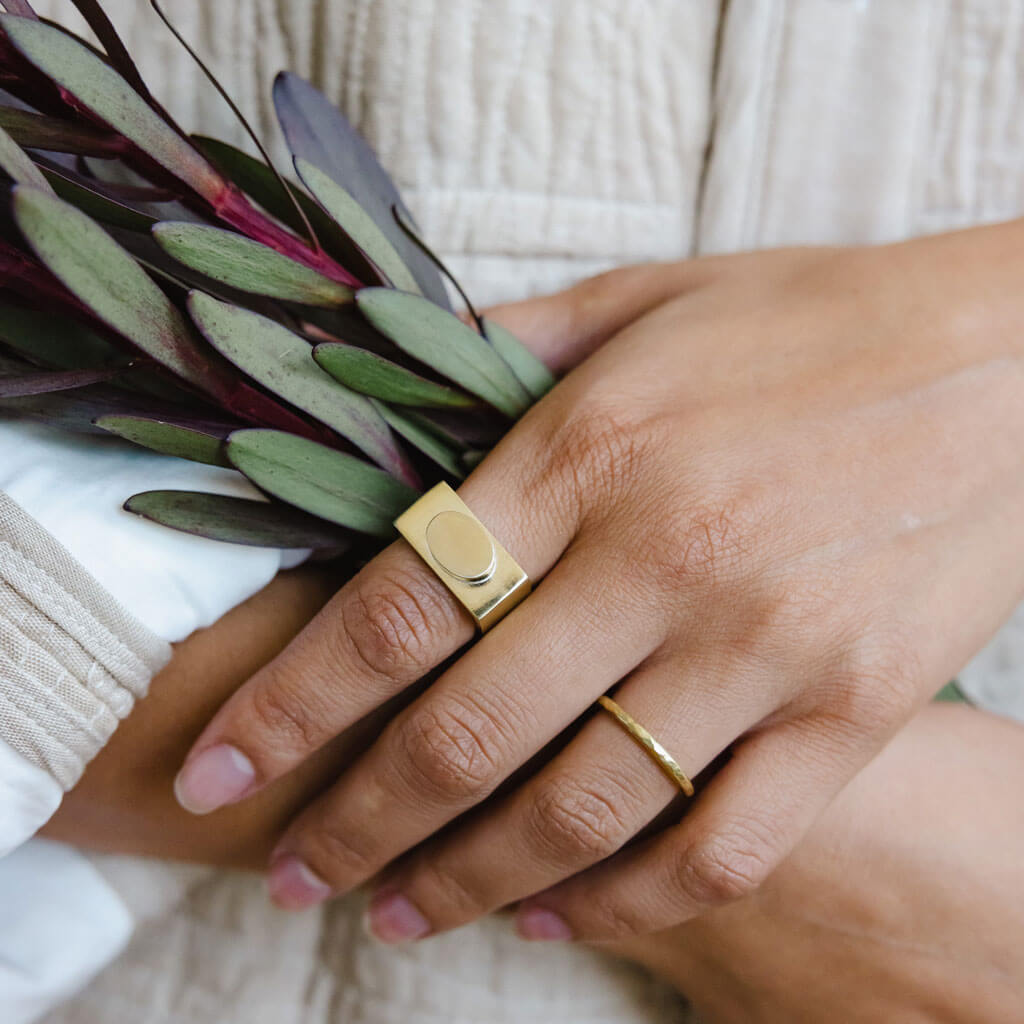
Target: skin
[(893, 907), (776, 508)]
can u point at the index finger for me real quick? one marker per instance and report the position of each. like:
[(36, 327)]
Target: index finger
[(384, 630)]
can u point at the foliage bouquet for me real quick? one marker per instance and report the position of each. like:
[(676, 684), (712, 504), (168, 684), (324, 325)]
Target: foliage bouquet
[(187, 297)]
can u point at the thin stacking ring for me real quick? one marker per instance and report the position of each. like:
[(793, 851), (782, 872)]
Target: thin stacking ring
[(661, 757), (464, 555)]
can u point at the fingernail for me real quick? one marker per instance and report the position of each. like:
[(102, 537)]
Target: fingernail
[(536, 924), (392, 918), (216, 777), (293, 885)]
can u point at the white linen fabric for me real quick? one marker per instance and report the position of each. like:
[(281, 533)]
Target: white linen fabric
[(74, 485), (539, 141)]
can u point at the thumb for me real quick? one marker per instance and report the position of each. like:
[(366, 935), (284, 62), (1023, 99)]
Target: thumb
[(563, 329)]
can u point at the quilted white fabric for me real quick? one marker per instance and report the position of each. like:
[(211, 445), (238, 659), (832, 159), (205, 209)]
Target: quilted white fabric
[(539, 141)]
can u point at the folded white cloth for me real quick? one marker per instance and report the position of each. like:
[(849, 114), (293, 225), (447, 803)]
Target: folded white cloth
[(73, 485), (61, 920)]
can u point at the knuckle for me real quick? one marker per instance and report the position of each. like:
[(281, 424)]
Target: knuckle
[(452, 749), (395, 623), (284, 719), (330, 850), (727, 866), (575, 821), (448, 895), (611, 917), (600, 451), (877, 687)]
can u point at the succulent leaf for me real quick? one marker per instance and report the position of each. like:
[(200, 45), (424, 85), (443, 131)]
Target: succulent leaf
[(320, 134), (323, 482), (100, 89), (371, 374), (103, 276), (15, 163), (197, 443), (239, 262), (94, 268), (442, 341), (283, 362), (425, 440), (532, 373), (237, 520), (357, 224)]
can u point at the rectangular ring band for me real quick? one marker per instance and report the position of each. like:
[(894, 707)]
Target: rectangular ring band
[(464, 555)]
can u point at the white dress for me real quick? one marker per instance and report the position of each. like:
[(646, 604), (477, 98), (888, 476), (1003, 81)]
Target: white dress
[(539, 141)]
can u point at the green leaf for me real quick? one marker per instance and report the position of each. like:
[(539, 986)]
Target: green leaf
[(109, 282), (357, 224), (99, 88), (442, 341), (54, 340), (235, 260), (237, 520), (532, 373), (283, 362), (425, 440), (15, 163), (326, 483), (371, 374), (952, 694), (169, 438)]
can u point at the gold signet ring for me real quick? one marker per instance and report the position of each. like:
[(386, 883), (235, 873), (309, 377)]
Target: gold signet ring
[(464, 555)]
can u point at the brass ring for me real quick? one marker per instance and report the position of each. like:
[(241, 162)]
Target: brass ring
[(664, 760), (464, 555)]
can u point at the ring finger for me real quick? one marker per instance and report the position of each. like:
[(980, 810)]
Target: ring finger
[(587, 803)]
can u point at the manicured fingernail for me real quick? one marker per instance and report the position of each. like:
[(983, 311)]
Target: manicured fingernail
[(539, 925), (293, 885), (392, 918), (216, 777)]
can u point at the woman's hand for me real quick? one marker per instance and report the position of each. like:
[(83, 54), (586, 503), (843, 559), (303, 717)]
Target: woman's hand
[(897, 906), (778, 507)]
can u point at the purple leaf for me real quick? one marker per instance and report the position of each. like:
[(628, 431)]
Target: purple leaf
[(23, 385), (238, 520)]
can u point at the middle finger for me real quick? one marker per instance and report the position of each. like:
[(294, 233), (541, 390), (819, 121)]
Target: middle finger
[(500, 704)]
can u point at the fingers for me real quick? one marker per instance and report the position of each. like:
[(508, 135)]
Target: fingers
[(749, 818), (585, 805), (564, 328), (501, 703), (384, 630)]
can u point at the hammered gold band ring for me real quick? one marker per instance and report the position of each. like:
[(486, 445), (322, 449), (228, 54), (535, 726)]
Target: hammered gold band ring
[(661, 757), (464, 555)]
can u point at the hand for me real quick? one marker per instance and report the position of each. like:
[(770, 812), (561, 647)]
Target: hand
[(777, 510), (895, 907)]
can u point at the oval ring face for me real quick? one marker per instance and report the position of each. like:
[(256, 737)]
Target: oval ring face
[(461, 546)]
